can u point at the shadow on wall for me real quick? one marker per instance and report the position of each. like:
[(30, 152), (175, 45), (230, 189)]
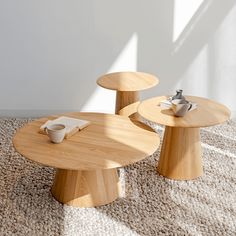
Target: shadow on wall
[(53, 52)]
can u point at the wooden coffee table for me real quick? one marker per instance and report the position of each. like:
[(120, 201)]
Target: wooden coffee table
[(87, 162), (127, 86), (181, 149)]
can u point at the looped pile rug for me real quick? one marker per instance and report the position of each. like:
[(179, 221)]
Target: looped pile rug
[(150, 204)]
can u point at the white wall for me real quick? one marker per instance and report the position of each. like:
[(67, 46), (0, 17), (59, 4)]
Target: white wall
[(52, 51)]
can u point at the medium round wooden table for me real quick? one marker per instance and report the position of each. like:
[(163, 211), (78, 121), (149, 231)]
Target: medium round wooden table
[(87, 162), (180, 156), (127, 86)]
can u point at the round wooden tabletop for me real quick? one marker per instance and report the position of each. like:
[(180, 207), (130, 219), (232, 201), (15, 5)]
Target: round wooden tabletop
[(110, 141), (207, 113), (127, 81)]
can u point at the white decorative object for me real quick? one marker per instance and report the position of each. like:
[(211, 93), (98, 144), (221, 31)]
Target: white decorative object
[(180, 107), (56, 132), (72, 125), (167, 104)]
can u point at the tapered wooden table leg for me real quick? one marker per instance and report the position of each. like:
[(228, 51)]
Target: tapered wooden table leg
[(86, 188), (180, 157), (125, 98)]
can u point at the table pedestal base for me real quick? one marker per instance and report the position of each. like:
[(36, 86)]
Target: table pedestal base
[(125, 98), (86, 188), (180, 157)]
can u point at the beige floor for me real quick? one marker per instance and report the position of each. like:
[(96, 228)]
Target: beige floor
[(151, 204)]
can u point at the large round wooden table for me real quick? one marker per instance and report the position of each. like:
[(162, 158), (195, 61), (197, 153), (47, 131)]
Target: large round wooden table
[(180, 156), (87, 162)]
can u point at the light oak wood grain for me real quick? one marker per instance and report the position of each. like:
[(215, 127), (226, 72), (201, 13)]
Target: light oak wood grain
[(131, 111), (127, 85), (86, 162), (86, 188), (180, 157), (207, 113), (124, 99), (127, 81), (110, 141), (181, 151)]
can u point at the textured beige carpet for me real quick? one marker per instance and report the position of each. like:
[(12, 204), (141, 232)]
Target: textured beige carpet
[(151, 204)]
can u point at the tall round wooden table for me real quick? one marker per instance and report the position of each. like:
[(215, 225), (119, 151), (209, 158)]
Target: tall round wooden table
[(127, 86), (87, 162), (180, 156)]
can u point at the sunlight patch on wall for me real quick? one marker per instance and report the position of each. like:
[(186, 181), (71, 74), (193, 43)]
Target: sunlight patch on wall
[(184, 10), (126, 61), (194, 81)]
